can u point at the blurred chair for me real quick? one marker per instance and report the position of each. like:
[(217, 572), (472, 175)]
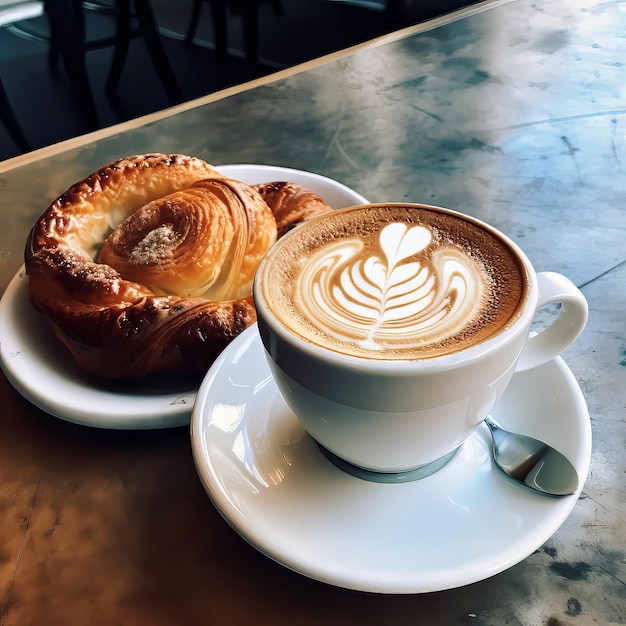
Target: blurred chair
[(67, 40), (12, 11), (149, 30), (250, 20), (10, 121)]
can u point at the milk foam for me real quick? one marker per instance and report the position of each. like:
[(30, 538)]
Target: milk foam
[(379, 299), (393, 282)]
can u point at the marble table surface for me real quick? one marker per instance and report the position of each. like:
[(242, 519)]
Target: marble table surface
[(514, 112)]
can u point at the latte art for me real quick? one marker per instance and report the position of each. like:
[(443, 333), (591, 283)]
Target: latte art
[(392, 299), (393, 282)]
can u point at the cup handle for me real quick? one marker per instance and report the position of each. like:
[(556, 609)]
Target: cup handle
[(564, 330)]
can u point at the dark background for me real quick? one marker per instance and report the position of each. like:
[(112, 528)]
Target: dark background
[(44, 103)]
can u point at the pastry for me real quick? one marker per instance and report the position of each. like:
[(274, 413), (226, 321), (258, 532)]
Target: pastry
[(291, 203), (146, 266)]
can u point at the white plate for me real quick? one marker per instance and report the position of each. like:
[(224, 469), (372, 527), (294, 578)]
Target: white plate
[(44, 372), (462, 524)]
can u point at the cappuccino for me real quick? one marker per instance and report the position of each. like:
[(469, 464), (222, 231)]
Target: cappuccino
[(394, 281)]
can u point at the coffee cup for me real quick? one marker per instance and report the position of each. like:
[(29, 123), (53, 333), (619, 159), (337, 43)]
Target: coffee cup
[(392, 330)]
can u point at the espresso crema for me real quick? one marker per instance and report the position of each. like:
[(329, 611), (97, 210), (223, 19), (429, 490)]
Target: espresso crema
[(393, 282)]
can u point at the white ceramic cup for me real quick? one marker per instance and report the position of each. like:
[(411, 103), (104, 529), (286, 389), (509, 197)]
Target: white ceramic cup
[(400, 415)]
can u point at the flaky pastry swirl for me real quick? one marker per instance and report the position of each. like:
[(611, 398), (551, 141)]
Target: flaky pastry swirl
[(146, 265)]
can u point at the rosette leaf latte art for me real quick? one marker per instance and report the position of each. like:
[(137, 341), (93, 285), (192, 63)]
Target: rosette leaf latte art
[(390, 300), (393, 281)]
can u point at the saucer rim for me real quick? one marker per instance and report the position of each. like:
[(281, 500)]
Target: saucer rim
[(75, 400), (533, 539)]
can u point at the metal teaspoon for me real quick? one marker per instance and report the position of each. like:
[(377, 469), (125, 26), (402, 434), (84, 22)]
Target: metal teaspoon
[(532, 462)]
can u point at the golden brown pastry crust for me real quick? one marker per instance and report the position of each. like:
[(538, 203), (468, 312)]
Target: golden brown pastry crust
[(291, 203), (206, 240), (116, 322)]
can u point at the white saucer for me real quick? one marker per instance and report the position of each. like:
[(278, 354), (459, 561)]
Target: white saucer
[(43, 371), (462, 524)]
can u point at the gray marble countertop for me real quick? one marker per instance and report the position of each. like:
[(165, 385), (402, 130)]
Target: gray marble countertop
[(514, 112)]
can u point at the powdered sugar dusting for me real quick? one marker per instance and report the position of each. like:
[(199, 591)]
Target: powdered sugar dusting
[(157, 246)]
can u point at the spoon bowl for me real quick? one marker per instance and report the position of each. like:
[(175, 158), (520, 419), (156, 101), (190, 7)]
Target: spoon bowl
[(532, 462)]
